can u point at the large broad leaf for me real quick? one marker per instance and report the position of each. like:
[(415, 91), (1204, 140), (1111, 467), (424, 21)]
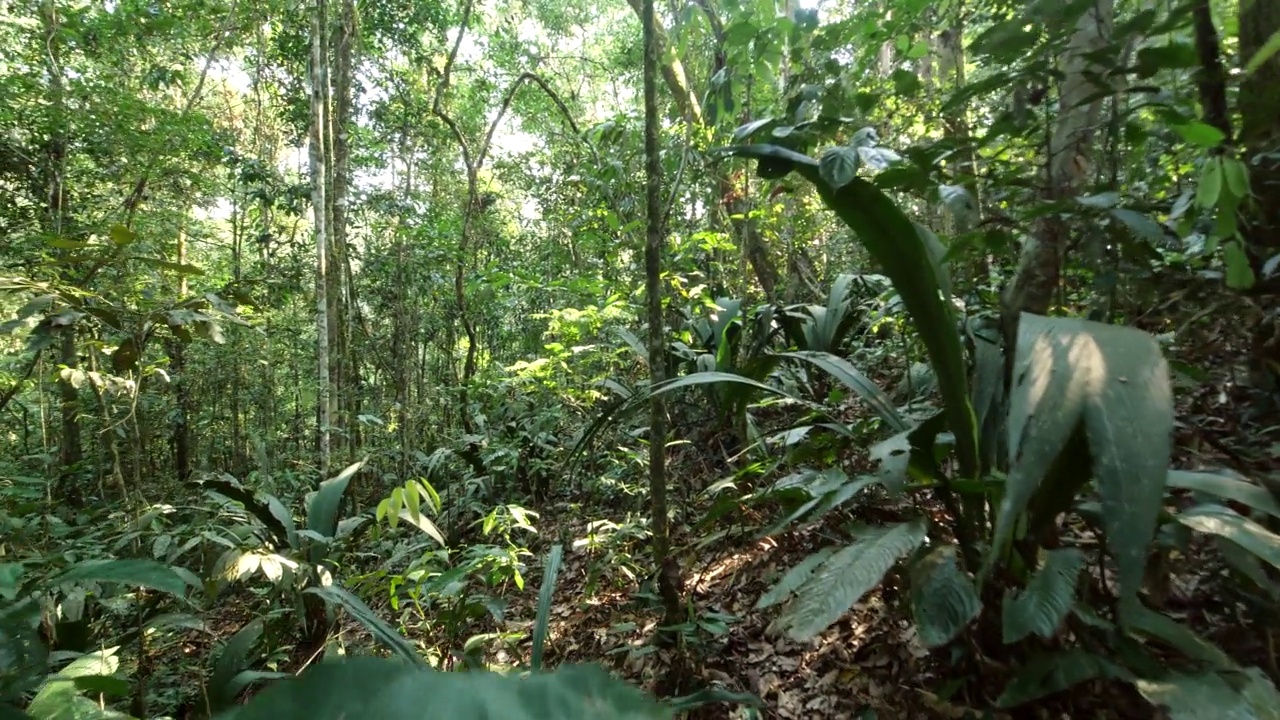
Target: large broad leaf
[(943, 599), (1227, 523), (1205, 697), (1112, 382), (852, 378), (909, 456), (1228, 486), (266, 508), (60, 697), (1054, 672), (909, 260), (1048, 597), (322, 510), (382, 632), (988, 395), (713, 377), (134, 572), (1148, 622), (794, 579), (549, 574), (846, 576), (369, 687), (236, 655)]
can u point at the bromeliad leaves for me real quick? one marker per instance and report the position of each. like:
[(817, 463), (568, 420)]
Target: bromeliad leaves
[(911, 260), (825, 589), (1111, 384)]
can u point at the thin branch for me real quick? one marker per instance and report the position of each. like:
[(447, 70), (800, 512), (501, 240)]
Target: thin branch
[(17, 384)]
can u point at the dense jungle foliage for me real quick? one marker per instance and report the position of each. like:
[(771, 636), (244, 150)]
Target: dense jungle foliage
[(699, 358)]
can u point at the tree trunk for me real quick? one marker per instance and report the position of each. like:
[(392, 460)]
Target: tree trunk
[(1259, 100), (668, 570), (181, 434), (320, 207), (1043, 254), (341, 292), (54, 172)]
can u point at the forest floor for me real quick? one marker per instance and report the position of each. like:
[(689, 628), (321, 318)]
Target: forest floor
[(871, 664)]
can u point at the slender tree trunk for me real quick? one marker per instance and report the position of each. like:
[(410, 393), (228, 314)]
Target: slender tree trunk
[(54, 170), (320, 205), (181, 435), (668, 569), (341, 289), (1259, 101), (1043, 254)]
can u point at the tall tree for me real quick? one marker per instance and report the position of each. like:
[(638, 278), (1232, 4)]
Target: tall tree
[(319, 78), (667, 566), (1260, 135), (1069, 146)]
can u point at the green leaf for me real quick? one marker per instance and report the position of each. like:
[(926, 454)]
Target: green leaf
[(1261, 694), (1196, 697), (1264, 53), (1006, 41), (852, 378), (133, 572), (1145, 621), (368, 687), (744, 132), (796, 577), (1236, 176), (422, 522), (1101, 201), (1227, 523), (711, 377), (59, 698), (381, 631), (906, 84), (1139, 224), (839, 165), (1173, 55), (943, 599), (550, 571), (267, 509), (1200, 134), (1048, 597), (894, 242), (846, 576), (235, 656), (1227, 485), (1054, 672), (180, 268), (1210, 185), (1114, 382), (1239, 272), (121, 235), (322, 510)]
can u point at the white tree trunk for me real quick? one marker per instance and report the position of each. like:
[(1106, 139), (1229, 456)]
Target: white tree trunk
[(320, 206)]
